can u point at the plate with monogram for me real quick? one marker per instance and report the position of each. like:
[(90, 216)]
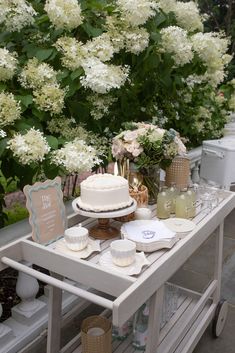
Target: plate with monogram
[(134, 269), (149, 235), (93, 246)]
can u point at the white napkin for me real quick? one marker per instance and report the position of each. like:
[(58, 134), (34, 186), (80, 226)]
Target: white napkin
[(148, 231)]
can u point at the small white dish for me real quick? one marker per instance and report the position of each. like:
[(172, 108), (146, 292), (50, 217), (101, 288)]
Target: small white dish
[(92, 246), (143, 213), (180, 225), (76, 238), (123, 252), (134, 269)]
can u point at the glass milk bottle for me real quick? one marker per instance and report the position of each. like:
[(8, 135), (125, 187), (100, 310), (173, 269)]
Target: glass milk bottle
[(120, 333), (163, 204), (182, 204), (172, 192), (192, 201), (140, 327)]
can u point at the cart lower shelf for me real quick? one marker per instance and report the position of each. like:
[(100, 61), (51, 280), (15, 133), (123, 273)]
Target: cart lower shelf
[(175, 336)]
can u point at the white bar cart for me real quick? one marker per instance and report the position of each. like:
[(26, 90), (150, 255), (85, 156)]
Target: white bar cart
[(128, 293)]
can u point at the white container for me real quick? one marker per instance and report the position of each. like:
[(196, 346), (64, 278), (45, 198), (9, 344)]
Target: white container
[(76, 238), (143, 213), (218, 161), (123, 252)]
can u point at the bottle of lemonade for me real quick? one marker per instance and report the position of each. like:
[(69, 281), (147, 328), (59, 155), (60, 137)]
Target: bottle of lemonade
[(182, 204), (172, 192), (192, 201), (163, 204), (140, 327)]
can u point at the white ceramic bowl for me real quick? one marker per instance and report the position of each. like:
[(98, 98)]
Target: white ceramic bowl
[(76, 238), (143, 213), (123, 252)]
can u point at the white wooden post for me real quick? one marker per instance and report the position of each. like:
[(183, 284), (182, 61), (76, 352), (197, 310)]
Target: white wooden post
[(218, 261), (155, 314), (195, 173), (54, 317)]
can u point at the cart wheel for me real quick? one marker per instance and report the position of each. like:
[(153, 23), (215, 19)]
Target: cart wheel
[(219, 320)]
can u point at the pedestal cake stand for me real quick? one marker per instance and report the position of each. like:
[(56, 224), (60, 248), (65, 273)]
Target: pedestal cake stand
[(103, 230)]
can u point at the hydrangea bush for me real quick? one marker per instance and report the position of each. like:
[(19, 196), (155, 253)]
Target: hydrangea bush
[(72, 71)]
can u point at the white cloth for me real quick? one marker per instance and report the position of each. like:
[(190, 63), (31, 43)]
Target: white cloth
[(148, 231)]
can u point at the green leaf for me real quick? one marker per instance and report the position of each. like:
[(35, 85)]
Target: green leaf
[(52, 141), (51, 170), (76, 73), (91, 31), (3, 145), (3, 86), (62, 74), (25, 100), (43, 54), (160, 19), (39, 114), (22, 126)]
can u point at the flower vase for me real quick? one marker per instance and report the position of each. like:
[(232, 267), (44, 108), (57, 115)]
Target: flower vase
[(151, 179)]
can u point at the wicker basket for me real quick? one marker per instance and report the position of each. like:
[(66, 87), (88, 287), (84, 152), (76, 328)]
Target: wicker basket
[(178, 172), (93, 343), (141, 196)]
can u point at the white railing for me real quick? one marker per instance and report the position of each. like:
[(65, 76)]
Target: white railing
[(28, 322), (195, 161)]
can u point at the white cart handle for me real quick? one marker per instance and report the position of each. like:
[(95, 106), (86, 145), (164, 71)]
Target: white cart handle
[(94, 298), (213, 153)]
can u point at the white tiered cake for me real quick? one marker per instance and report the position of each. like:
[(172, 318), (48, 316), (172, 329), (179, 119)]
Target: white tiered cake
[(104, 192)]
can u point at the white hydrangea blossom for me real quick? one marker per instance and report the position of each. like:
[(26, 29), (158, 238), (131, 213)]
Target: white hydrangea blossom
[(64, 14), (137, 12), (35, 74), (9, 109), (203, 119), (188, 16), (211, 48), (176, 42), (16, 14), (100, 47), (101, 78), (214, 78), (100, 105), (136, 40), (166, 5), (2, 134), (50, 98), (186, 13), (8, 64), (30, 147), (115, 28), (76, 157), (73, 52), (232, 82)]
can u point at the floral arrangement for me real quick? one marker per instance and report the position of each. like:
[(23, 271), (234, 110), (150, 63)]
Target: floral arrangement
[(79, 69), (147, 145)]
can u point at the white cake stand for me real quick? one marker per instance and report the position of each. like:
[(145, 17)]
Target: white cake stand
[(103, 230)]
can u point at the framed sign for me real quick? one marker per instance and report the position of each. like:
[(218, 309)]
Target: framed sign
[(47, 217)]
